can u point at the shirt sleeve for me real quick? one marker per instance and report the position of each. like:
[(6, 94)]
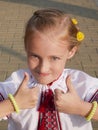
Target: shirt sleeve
[(8, 86), (85, 85)]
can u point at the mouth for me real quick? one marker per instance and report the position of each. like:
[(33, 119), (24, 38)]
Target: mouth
[(43, 78), (43, 74)]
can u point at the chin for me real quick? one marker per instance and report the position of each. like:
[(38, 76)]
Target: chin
[(44, 82)]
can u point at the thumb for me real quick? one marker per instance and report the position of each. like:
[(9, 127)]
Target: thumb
[(58, 91), (23, 84), (69, 84), (25, 79)]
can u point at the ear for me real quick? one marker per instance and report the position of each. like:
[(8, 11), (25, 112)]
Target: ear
[(72, 52)]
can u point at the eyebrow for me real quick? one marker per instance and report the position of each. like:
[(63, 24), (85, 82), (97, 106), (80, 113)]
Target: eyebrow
[(49, 56), (33, 53)]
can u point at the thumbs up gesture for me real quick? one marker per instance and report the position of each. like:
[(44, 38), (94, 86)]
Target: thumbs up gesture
[(68, 102), (26, 97)]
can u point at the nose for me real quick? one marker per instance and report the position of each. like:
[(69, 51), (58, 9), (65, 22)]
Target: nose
[(44, 66)]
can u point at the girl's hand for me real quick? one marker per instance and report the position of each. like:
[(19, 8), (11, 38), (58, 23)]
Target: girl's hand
[(69, 102), (26, 97)]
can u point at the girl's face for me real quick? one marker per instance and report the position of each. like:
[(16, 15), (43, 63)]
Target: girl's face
[(47, 57)]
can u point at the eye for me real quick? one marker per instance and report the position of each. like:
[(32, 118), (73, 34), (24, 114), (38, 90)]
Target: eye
[(34, 56), (55, 58)]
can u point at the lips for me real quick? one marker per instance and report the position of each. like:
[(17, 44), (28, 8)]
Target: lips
[(43, 78), (43, 74)]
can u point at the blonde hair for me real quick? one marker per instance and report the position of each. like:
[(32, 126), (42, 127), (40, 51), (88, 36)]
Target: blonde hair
[(55, 20)]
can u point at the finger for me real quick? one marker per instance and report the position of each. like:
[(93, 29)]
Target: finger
[(57, 93), (69, 84), (25, 79), (37, 89)]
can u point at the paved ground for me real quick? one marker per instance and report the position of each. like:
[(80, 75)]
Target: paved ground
[(15, 13)]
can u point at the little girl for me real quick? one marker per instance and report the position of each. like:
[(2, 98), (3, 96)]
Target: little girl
[(67, 98)]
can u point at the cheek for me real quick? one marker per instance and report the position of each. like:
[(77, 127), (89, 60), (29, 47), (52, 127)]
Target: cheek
[(32, 64), (58, 68)]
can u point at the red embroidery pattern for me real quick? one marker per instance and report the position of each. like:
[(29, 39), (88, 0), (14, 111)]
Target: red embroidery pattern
[(48, 116)]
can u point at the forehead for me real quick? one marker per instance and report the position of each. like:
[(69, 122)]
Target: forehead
[(47, 42)]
